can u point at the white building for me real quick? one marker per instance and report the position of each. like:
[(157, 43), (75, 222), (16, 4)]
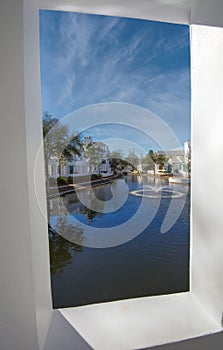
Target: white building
[(178, 161), (87, 141), (94, 159), (78, 165)]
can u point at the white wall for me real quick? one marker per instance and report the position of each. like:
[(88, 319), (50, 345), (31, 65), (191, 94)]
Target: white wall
[(17, 313), (177, 11), (25, 305), (36, 177), (207, 12), (207, 185)]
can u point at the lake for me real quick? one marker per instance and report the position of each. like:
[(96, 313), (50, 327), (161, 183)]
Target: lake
[(151, 263)]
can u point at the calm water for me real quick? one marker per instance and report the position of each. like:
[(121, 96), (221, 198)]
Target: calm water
[(150, 264)]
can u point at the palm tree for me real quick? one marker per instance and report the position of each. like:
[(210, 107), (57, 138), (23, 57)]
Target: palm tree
[(58, 142)]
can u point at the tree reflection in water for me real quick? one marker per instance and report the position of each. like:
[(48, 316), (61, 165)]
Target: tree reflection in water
[(62, 248), (63, 232), (90, 214)]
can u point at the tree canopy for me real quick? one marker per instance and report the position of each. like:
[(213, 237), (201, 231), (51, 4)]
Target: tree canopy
[(58, 141), (94, 153), (154, 158)]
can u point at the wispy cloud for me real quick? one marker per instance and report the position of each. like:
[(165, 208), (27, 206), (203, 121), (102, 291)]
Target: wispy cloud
[(178, 43), (89, 59)]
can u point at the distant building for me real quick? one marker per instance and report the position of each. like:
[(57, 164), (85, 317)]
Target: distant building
[(76, 166), (178, 161), (92, 160), (87, 141)]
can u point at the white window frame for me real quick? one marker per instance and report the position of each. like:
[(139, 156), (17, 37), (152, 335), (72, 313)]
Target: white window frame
[(141, 322)]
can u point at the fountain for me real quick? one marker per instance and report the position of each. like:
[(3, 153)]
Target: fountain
[(154, 191)]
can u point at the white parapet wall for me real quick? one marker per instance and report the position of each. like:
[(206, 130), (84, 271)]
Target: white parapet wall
[(207, 167), (25, 301), (25, 298)]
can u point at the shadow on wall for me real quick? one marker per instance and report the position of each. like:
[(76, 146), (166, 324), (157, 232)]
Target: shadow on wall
[(66, 338), (214, 342)]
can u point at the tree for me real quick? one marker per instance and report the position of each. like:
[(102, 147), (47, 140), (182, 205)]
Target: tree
[(154, 158), (117, 161), (188, 166), (133, 160), (118, 154), (148, 161), (58, 142), (160, 159), (95, 154)]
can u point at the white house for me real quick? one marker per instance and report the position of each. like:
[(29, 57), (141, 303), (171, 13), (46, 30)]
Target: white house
[(78, 165), (178, 161), (94, 159)]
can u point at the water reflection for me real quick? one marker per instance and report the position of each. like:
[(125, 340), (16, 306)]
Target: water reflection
[(90, 214), (62, 253), (146, 180), (121, 219), (105, 201), (67, 230), (159, 264)]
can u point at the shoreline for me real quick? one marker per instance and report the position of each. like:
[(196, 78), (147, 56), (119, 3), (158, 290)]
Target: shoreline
[(65, 189), (57, 191)]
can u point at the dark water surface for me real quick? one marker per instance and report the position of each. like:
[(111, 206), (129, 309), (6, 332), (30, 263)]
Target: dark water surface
[(153, 263)]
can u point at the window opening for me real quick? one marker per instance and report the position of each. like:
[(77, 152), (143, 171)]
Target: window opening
[(116, 126)]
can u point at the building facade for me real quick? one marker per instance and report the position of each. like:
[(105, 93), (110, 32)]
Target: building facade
[(94, 159)]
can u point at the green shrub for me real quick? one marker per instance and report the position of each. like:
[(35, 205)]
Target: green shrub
[(95, 176), (70, 179), (61, 180)]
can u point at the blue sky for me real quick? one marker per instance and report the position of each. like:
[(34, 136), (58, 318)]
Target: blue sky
[(89, 59)]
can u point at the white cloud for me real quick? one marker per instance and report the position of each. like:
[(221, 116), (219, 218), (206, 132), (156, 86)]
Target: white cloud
[(93, 66), (177, 44)]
